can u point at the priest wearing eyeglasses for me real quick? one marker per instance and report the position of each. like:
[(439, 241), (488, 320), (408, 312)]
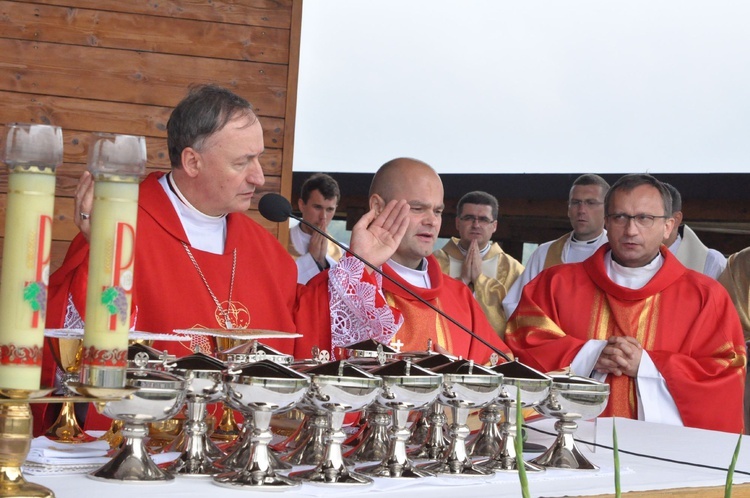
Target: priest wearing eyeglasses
[(476, 260), (666, 339)]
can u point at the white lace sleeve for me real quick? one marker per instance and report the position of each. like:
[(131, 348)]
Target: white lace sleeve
[(359, 310), (73, 319)]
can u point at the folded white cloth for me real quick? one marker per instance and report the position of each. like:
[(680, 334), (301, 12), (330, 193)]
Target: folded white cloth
[(46, 451)]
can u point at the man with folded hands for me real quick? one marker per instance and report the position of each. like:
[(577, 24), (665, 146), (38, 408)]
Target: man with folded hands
[(665, 338)]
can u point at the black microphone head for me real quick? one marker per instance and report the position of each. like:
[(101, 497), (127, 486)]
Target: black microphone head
[(274, 207)]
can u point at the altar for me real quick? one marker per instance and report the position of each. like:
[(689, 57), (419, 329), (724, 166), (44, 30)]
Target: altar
[(653, 457)]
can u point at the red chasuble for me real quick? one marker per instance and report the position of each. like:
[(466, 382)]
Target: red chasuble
[(169, 293), (683, 319), (422, 323)]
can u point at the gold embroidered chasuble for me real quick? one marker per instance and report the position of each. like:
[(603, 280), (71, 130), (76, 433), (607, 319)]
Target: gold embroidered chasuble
[(422, 323), (555, 250), (736, 280), (499, 271)]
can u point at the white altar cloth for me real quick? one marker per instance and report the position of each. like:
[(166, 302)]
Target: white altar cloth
[(637, 473)]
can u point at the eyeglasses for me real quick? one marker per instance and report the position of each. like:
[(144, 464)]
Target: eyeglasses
[(482, 220), (589, 203), (641, 220)]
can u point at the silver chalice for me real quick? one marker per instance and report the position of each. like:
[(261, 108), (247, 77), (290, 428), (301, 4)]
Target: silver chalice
[(157, 396), (427, 434), (338, 388), (371, 442), (571, 398), (466, 386), (534, 387), (259, 390), (306, 445), (406, 387), (203, 376)]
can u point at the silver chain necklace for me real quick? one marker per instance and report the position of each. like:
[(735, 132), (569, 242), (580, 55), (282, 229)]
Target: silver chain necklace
[(219, 308)]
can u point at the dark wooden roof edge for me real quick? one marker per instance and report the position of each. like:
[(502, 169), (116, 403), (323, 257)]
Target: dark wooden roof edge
[(729, 186)]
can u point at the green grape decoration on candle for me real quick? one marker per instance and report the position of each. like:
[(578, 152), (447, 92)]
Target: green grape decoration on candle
[(32, 153), (117, 163)]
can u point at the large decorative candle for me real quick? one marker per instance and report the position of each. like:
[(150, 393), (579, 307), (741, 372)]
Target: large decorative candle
[(117, 163), (32, 153)]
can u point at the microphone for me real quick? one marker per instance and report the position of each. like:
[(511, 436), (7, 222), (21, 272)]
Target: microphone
[(276, 208)]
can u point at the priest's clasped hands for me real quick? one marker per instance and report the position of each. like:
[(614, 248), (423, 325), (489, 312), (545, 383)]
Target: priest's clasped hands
[(621, 356), (318, 248), (472, 266)]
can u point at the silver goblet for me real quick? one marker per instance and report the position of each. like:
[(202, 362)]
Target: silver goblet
[(406, 387), (427, 433), (203, 375), (371, 441), (338, 388), (534, 388), (571, 398), (261, 389), (306, 445), (466, 386), (159, 396)]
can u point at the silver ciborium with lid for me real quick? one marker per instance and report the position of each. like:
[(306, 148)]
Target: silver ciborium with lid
[(158, 395), (306, 446), (203, 376), (533, 387), (406, 387), (571, 398), (371, 442), (259, 390), (466, 387), (427, 430), (338, 388)]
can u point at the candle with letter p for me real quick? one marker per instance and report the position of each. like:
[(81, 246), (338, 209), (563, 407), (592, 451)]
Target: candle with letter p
[(117, 163), (32, 153)]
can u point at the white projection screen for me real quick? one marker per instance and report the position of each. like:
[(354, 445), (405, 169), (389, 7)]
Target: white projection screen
[(532, 86)]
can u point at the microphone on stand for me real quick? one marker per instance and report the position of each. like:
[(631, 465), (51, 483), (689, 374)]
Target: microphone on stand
[(276, 208)]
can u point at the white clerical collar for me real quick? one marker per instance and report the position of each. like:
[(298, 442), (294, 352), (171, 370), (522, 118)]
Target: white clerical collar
[(417, 278), (593, 241), (632, 278), (204, 232), (576, 251), (482, 252)]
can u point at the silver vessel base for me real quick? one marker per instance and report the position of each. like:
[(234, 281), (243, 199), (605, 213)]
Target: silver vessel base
[(332, 477), (395, 471), (257, 481)]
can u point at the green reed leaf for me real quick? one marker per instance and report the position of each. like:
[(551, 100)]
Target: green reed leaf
[(519, 446), (730, 472), (616, 453)]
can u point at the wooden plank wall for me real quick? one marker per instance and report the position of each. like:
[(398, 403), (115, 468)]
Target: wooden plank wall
[(121, 66)]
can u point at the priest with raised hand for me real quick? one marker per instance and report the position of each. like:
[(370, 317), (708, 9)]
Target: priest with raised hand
[(414, 267), (667, 339)]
